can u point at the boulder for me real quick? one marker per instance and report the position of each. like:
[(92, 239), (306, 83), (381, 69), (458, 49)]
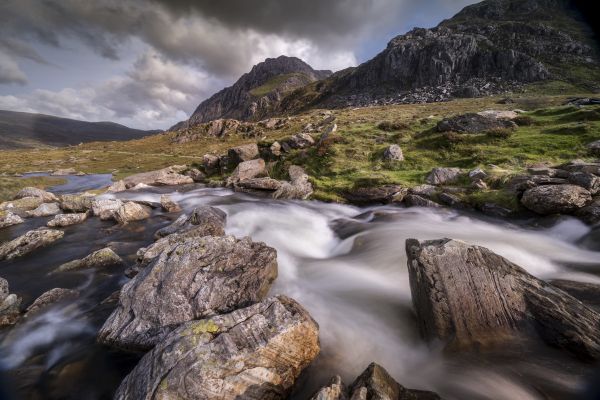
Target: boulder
[(210, 162), (499, 114), (465, 296), (587, 181), (587, 293), (474, 123), (28, 242), (258, 185), (45, 210), (299, 186), (442, 176), (243, 153), (22, 205), (102, 258), (414, 200), (64, 171), (203, 221), (7, 218), (495, 210), (479, 185), (168, 204), (582, 166), (335, 390), (248, 170), (131, 211), (378, 194), (106, 209), (35, 192), (477, 174), (162, 177), (52, 296), (195, 174), (116, 187), (547, 171), (76, 203), (253, 353), (451, 200), (424, 190), (590, 214), (62, 220), (594, 148), (194, 278), (9, 305), (555, 199), (393, 153), (275, 149), (301, 141)]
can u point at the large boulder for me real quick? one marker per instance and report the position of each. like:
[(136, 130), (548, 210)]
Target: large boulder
[(243, 153), (35, 192), (51, 297), (210, 162), (590, 214), (105, 257), (247, 170), (376, 194), (258, 185), (195, 278), (132, 211), (299, 186), (62, 220), (7, 218), (587, 181), (554, 199), (474, 123), (467, 296), (9, 305), (106, 209), (442, 176), (45, 210), (253, 353), (77, 203), (28, 242), (393, 153), (203, 221), (162, 177), (21, 205)]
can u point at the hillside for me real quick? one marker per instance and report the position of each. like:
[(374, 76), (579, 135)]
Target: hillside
[(26, 130)]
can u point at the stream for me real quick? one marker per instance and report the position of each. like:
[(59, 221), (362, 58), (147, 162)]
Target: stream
[(346, 265)]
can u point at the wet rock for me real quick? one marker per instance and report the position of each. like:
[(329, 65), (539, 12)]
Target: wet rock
[(162, 177), (590, 214), (195, 278), (203, 221), (555, 199), (52, 296), (168, 204), (28, 242), (98, 259), (76, 203), (477, 174), (413, 200), (35, 192), (45, 210), (131, 211), (210, 162), (468, 296), (393, 153), (299, 186), (588, 293), (594, 148), (116, 187), (106, 209), (64, 171), (7, 219), (335, 390), (258, 185), (21, 205), (442, 176), (301, 141), (451, 200), (247, 170), (587, 181), (423, 190), (252, 353), (62, 220), (379, 194), (495, 210), (243, 153), (9, 305), (473, 123)]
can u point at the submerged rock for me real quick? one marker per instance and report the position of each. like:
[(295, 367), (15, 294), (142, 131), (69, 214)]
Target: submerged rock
[(195, 278), (132, 211), (554, 199), (49, 298), (253, 353), (7, 219), (28, 242), (162, 177), (35, 192), (9, 305), (61, 220), (45, 210), (105, 257), (468, 296)]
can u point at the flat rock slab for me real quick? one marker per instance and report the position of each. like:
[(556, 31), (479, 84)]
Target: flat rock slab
[(28, 242), (192, 279), (162, 177), (254, 353)]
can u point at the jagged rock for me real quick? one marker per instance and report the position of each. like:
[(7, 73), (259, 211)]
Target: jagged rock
[(378, 194), (299, 186), (64, 171), (49, 298), (195, 278), (105, 257), (590, 214), (243, 153), (204, 221), (28, 242), (45, 210), (587, 181), (594, 148), (7, 219), (118, 186), (442, 176), (252, 353), (195, 174), (162, 177), (467, 296), (35, 192), (168, 204), (477, 174), (555, 199), (275, 149), (76, 203), (335, 390), (258, 185), (393, 153), (9, 305), (106, 209), (328, 132), (247, 170), (473, 123), (22, 205), (210, 162), (414, 200), (131, 211), (62, 220), (301, 141)]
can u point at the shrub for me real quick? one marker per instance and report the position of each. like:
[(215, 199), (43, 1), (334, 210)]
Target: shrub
[(454, 137), (499, 133), (524, 120)]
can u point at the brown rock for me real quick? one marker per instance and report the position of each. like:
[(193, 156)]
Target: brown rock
[(49, 298), (131, 211), (62, 220), (99, 259), (554, 199), (168, 204)]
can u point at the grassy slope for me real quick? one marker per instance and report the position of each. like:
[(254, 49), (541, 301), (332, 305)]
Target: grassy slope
[(10, 185)]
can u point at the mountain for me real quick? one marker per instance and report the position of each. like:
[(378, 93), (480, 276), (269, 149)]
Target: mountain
[(257, 93), (23, 130)]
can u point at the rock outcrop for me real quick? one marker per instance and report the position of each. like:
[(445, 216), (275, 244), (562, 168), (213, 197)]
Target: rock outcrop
[(9, 305), (555, 199), (474, 123), (47, 299), (194, 278), (62, 220), (105, 257), (28, 242), (252, 353)]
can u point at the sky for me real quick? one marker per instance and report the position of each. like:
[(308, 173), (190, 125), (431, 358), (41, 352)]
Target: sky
[(148, 63)]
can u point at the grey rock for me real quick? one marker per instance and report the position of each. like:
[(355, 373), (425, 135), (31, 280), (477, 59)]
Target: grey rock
[(132, 211), (275, 149), (587, 293), (248, 170), (102, 258), (393, 153), (116, 187), (35, 192), (555, 199), (299, 186), (547, 171), (62, 220), (162, 177), (582, 166), (52, 296), (21, 205), (477, 174), (479, 185), (7, 219), (195, 278), (587, 181), (45, 210), (64, 171), (28, 242), (442, 176), (9, 305), (301, 141), (168, 204), (210, 162), (594, 148), (474, 123), (195, 174), (106, 209), (378, 194), (495, 210), (203, 221), (252, 353), (414, 200), (243, 153), (258, 185), (590, 214), (424, 190), (451, 200), (77, 203)]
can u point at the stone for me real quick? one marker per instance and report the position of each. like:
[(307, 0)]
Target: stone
[(64, 171), (106, 209), (473, 123), (9, 305), (62, 220), (45, 210), (131, 211), (587, 181), (590, 214), (479, 185), (424, 190), (162, 177), (495, 210), (582, 166), (116, 187), (243, 153), (442, 176), (335, 390), (393, 153), (547, 171), (35, 192), (477, 174), (594, 148), (29, 242), (195, 278), (275, 149), (102, 258), (556, 199), (22, 205), (210, 162), (52, 296), (451, 200), (203, 221), (587, 293), (414, 200), (499, 114), (248, 170), (256, 353), (77, 203), (466, 296), (168, 204), (299, 186), (196, 175), (378, 194), (258, 185), (7, 219), (301, 141)]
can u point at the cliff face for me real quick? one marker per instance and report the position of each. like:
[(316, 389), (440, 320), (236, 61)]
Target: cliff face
[(257, 93)]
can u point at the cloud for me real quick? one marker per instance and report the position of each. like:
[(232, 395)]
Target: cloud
[(10, 72)]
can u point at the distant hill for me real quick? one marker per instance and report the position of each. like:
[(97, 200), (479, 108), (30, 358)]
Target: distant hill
[(26, 130)]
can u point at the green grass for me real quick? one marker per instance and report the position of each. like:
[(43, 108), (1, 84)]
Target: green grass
[(274, 83), (9, 186)]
